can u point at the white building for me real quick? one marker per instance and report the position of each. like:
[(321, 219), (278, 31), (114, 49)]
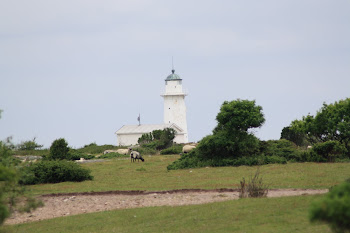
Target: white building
[(174, 115)]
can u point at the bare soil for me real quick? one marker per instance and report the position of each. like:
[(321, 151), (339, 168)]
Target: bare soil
[(57, 205)]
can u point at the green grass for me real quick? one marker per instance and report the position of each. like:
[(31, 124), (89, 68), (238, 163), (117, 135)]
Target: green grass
[(121, 174), (285, 214)]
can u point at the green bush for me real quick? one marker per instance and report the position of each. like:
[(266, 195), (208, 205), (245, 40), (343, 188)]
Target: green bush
[(8, 182), (11, 193), (6, 157), (29, 145), (93, 148), (191, 160), (334, 209), (175, 149), (59, 149), (281, 148), (222, 145), (113, 155), (146, 150), (76, 155), (157, 139), (53, 172), (329, 150)]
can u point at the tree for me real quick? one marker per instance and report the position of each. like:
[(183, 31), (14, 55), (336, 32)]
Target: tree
[(334, 209), (160, 139), (59, 149), (231, 137), (239, 115), (296, 132), (145, 138), (331, 123), (29, 145)]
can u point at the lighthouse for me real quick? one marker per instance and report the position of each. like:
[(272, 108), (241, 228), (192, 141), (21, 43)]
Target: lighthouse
[(174, 116), (174, 105)]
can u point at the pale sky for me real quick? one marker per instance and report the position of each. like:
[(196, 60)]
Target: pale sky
[(81, 69)]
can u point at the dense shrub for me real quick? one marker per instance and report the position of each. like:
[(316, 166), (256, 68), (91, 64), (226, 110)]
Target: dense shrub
[(6, 157), (76, 155), (59, 149), (93, 148), (334, 209), (28, 145), (158, 139), (228, 145), (175, 149), (11, 193), (331, 123), (280, 148), (53, 172), (146, 150), (112, 155), (191, 160), (329, 150)]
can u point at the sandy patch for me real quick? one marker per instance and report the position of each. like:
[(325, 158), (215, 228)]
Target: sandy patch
[(57, 205)]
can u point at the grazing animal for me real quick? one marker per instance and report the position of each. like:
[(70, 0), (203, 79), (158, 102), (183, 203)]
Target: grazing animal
[(119, 151), (188, 148), (109, 151), (123, 151), (135, 155)]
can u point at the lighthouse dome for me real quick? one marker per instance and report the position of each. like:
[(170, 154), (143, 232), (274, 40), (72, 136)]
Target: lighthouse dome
[(173, 76)]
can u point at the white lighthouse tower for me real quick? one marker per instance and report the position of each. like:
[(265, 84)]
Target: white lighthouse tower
[(174, 106)]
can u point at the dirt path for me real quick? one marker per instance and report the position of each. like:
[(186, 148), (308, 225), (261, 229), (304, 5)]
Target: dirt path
[(57, 205)]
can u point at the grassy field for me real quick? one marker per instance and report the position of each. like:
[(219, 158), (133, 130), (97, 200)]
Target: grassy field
[(285, 214), (120, 174)]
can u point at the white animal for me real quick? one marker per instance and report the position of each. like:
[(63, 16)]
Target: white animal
[(123, 151), (109, 151), (188, 148), (135, 155)]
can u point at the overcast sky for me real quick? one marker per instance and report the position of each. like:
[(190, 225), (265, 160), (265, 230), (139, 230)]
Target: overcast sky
[(81, 69)]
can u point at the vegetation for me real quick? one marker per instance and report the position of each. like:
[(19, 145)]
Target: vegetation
[(29, 145), (329, 150), (334, 208), (53, 172), (254, 187), (232, 143), (231, 138), (113, 155), (94, 149), (158, 139), (174, 149), (285, 214), (59, 149), (115, 174), (331, 123), (10, 190), (74, 154)]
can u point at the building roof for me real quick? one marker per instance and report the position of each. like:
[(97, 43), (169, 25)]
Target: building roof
[(173, 76), (141, 129)]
